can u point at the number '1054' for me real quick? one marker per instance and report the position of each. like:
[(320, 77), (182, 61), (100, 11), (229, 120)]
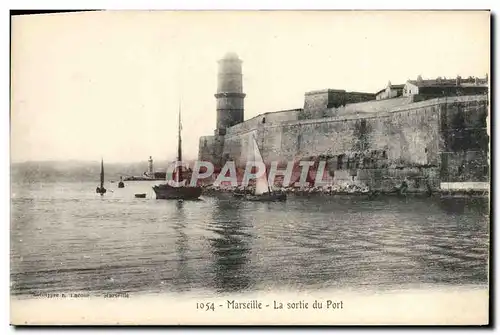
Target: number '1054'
[(209, 306)]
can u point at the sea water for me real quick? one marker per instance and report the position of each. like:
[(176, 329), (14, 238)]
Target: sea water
[(66, 238)]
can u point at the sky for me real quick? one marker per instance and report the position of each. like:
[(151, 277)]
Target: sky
[(109, 84)]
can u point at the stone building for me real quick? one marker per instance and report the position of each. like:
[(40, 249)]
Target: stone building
[(391, 91), (422, 89), (316, 103), (433, 134), (230, 96)]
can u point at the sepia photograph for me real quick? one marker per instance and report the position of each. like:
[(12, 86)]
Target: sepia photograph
[(250, 168)]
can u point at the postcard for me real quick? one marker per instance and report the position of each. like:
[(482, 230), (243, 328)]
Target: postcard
[(250, 168)]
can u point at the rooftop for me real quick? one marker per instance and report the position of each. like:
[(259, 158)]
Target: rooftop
[(449, 82), (331, 90), (396, 87)]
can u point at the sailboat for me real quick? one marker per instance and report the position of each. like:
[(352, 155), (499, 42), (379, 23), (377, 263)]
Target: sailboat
[(262, 191), (100, 189), (121, 184), (186, 192)]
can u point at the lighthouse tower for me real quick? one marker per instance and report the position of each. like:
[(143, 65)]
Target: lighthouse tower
[(230, 96), (150, 167)]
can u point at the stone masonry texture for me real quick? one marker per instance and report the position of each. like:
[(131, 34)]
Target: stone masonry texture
[(427, 142)]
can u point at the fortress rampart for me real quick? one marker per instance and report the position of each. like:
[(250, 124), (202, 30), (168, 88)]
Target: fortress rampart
[(429, 142), (377, 142)]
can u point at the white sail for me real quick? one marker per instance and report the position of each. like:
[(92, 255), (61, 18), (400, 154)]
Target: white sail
[(262, 186)]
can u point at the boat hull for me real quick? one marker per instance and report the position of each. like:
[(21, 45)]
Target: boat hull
[(166, 191), (267, 197), (241, 194)]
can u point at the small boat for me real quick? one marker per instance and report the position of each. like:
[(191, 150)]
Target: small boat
[(242, 193), (267, 197), (121, 184), (237, 194), (100, 189), (262, 191), (140, 195), (167, 191)]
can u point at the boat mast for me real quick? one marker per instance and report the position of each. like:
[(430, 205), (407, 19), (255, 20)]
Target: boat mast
[(265, 173), (102, 173), (260, 154), (178, 176)]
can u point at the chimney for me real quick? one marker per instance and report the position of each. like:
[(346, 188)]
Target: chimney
[(458, 80), (476, 81)]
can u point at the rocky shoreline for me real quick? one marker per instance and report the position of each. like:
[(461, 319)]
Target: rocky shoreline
[(349, 190)]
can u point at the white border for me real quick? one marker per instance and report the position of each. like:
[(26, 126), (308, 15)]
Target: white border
[(251, 4), (179, 4)]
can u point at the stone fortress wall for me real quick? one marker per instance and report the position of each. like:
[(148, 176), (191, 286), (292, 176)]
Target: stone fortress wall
[(379, 143)]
